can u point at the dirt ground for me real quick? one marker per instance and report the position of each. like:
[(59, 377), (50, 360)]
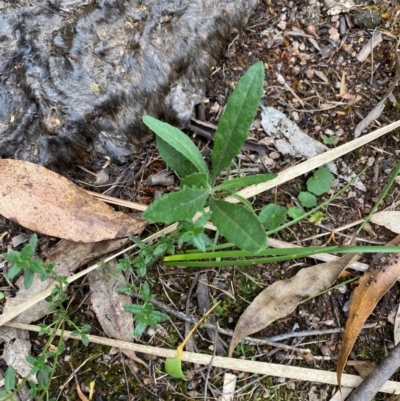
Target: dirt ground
[(314, 77)]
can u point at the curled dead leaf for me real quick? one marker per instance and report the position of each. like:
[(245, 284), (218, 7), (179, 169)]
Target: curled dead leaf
[(48, 203), (372, 287), (282, 297)]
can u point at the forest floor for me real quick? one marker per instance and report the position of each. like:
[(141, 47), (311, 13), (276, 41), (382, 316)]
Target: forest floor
[(317, 76)]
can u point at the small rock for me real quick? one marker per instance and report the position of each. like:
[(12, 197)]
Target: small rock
[(369, 19), (274, 155), (295, 116), (19, 239), (310, 73), (282, 25)]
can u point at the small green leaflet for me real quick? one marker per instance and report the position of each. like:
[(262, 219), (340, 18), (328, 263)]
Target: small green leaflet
[(321, 181), (272, 215), (238, 225), (9, 379), (295, 212), (307, 199), (177, 206)]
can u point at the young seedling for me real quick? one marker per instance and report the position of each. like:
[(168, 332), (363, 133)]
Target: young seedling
[(26, 262), (173, 366), (199, 186)]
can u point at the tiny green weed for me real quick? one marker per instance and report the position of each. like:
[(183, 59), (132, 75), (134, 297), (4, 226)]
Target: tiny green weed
[(26, 262), (43, 366)]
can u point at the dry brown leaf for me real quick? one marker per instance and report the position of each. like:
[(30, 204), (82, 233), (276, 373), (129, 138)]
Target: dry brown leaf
[(46, 202), (282, 297), (108, 304), (363, 368), (372, 287)]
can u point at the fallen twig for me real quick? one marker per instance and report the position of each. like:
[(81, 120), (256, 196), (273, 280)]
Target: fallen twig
[(270, 369)]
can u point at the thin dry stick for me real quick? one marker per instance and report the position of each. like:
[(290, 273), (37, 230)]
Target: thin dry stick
[(371, 384), (270, 369)]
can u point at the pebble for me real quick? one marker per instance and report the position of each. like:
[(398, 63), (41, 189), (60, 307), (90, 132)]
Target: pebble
[(369, 19)]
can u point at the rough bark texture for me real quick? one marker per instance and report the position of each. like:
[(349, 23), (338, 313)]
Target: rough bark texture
[(76, 76)]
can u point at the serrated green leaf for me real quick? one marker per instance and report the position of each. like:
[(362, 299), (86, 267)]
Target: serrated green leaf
[(321, 181), (295, 212), (234, 124), (199, 180), (178, 140), (174, 159), (173, 366), (272, 215), (28, 278), (241, 182), (140, 327), (145, 291), (238, 225), (14, 270), (159, 316), (12, 256), (134, 309), (177, 206), (42, 377), (307, 199), (85, 339), (27, 251)]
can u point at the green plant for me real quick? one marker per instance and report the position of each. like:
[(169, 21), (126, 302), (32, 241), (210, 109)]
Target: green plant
[(273, 215), (329, 140), (318, 184), (200, 187), (144, 313), (43, 365), (26, 262)]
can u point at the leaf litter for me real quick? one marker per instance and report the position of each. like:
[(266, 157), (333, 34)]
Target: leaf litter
[(383, 273), (282, 297), (47, 203), (107, 303)]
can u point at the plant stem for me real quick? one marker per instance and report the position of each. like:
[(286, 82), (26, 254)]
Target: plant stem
[(287, 254)]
